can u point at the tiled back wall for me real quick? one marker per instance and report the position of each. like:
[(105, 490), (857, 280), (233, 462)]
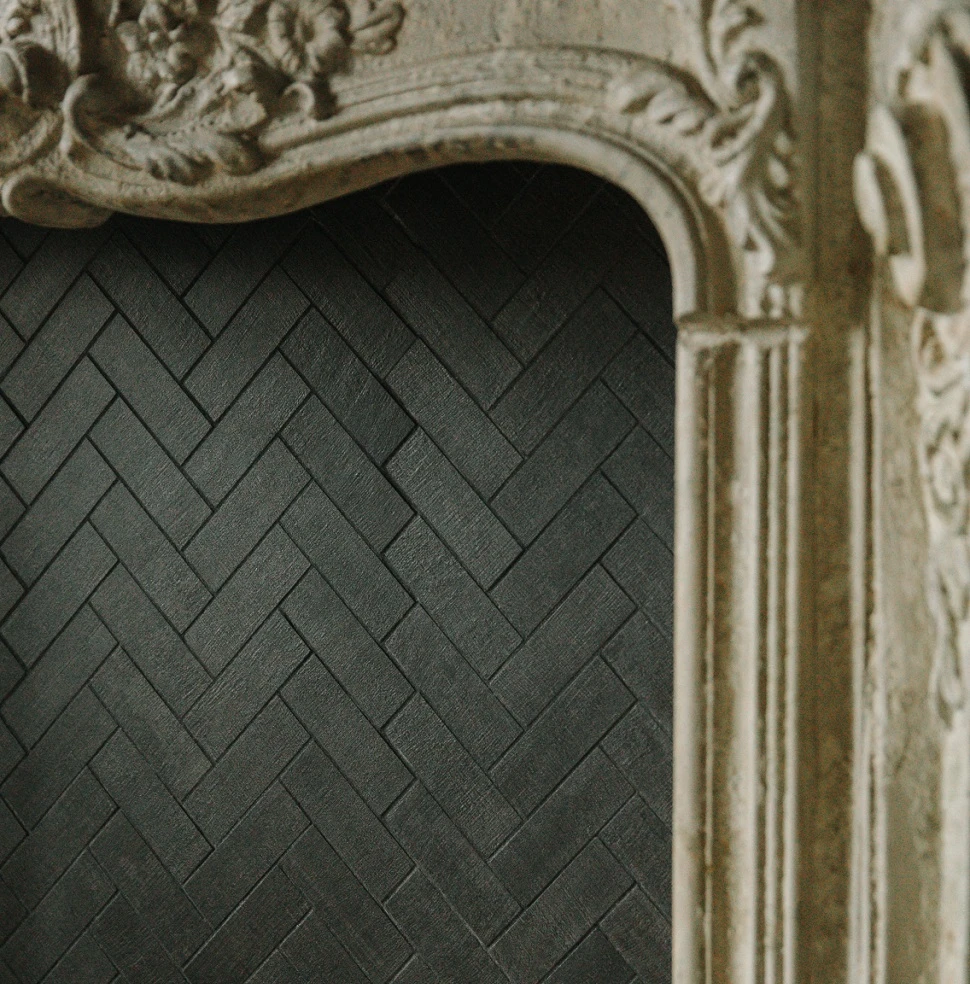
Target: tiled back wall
[(336, 592)]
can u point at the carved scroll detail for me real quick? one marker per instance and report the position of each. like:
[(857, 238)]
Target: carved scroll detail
[(742, 121), (913, 188)]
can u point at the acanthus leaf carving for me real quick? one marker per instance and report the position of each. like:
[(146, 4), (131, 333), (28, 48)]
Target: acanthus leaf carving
[(741, 118)]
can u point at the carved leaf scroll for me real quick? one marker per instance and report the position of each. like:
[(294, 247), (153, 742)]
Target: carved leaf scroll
[(742, 119)]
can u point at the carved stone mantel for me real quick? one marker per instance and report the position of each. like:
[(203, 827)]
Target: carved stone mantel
[(822, 772)]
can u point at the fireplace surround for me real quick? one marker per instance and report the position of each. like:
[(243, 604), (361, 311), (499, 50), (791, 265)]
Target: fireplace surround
[(821, 772)]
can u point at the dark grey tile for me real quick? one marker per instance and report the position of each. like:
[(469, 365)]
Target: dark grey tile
[(641, 840), (472, 443), (318, 956), (246, 515), (562, 371), (564, 279), (455, 691), (450, 861), (562, 463), (132, 946), (642, 937), (145, 467), (151, 808), (439, 935), (644, 474), (54, 599), (344, 558), (349, 652), (457, 242), (50, 930), (57, 430), (644, 380), (453, 509), (416, 971), (11, 508), (245, 601), (150, 641), (595, 959), (345, 906), (47, 275), (57, 512), (347, 387), (246, 770), (150, 888), (452, 598), (263, 920), (575, 811), (84, 963), (149, 388), (641, 564), (448, 324), (150, 557), (56, 347), (562, 554), (11, 833), (562, 645), (572, 724), (246, 429), (51, 765), (277, 970), (562, 915), (366, 321), (247, 342), (246, 685), (241, 262), (174, 249), (246, 854), (367, 234), (342, 469), (149, 723), (352, 742), (644, 752), (643, 658), (60, 836), (57, 677), (452, 776), (346, 821), (640, 281), (149, 305)]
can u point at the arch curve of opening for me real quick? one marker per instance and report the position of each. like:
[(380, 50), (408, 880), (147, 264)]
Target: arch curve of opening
[(553, 107)]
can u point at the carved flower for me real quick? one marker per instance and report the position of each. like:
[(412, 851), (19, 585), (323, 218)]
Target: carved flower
[(307, 37), (158, 57)]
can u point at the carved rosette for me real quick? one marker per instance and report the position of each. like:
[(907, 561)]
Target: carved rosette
[(178, 90), (913, 188)]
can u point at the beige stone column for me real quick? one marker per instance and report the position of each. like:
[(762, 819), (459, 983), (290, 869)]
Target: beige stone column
[(738, 561)]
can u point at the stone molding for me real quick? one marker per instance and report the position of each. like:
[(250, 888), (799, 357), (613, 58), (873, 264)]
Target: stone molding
[(244, 108), (913, 191)]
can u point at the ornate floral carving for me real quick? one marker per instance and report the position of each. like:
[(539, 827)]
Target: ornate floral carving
[(741, 119), (179, 88), (913, 188)]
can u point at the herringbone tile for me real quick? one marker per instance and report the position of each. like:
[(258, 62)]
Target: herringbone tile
[(335, 592)]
